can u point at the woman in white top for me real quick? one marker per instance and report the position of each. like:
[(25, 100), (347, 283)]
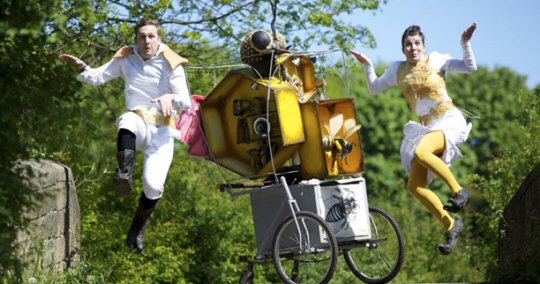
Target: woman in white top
[(429, 147)]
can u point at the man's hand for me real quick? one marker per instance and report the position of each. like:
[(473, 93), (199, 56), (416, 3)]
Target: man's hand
[(73, 60), (166, 104), (468, 33)]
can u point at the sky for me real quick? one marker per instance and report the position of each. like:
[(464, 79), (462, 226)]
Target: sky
[(508, 32)]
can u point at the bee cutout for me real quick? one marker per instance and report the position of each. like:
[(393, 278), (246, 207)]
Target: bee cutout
[(338, 147)]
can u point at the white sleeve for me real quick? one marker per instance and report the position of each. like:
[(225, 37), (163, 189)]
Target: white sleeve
[(466, 65), (378, 84), (180, 89), (102, 74)]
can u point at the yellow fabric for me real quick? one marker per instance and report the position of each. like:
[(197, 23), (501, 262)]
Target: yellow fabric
[(417, 186), (437, 112), (123, 52), (427, 158), (421, 80), (424, 82), (427, 154), (172, 57), (154, 116)]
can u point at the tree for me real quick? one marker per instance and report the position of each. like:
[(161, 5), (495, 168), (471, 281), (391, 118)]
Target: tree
[(507, 172), (490, 95), (47, 114), (33, 115)]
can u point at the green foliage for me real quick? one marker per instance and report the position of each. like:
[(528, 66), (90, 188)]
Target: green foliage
[(197, 233), (491, 95), (28, 68), (508, 170), (195, 236)]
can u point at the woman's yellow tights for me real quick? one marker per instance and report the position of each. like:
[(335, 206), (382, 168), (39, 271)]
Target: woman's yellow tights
[(427, 157)]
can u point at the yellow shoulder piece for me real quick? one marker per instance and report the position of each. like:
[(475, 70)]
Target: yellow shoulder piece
[(173, 58), (123, 52)]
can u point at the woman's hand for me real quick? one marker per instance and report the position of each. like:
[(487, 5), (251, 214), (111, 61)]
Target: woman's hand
[(73, 60), (362, 58), (166, 104), (467, 34)]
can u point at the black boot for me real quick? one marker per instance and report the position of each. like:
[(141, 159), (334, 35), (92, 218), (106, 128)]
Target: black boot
[(123, 179), (135, 237), (457, 201), (451, 238)]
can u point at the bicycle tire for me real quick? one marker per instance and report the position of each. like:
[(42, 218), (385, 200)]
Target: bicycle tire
[(382, 257), (300, 256)]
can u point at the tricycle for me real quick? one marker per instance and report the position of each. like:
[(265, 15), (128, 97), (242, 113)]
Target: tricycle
[(273, 123)]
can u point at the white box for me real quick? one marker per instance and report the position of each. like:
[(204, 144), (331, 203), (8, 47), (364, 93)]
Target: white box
[(342, 203)]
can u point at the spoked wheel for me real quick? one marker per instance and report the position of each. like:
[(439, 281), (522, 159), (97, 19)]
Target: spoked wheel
[(304, 249), (382, 257), (247, 277)]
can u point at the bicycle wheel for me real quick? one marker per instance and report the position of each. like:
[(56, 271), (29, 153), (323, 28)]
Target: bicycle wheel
[(382, 256), (304, 250)]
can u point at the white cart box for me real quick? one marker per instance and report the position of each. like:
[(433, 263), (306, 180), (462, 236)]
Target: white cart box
[(342, 203)]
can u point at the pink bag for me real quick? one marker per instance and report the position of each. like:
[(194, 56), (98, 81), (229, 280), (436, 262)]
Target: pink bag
[(190, 126)]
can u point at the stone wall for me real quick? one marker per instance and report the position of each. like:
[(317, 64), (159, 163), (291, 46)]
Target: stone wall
[(519, 244), (52, 239)]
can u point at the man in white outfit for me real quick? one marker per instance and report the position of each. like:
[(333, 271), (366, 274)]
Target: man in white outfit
[(155, 87)]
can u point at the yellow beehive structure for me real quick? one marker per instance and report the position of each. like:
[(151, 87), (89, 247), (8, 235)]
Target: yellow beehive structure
[(248, 121), (316, 162), (229, 114)]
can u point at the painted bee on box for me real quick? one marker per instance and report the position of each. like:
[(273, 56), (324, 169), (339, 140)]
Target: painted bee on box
[(340, 210)]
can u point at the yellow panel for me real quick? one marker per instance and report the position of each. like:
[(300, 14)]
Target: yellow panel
[(237, 166), (290, 118), (313, 162), (307, 74), (305, 70), (214, 131), (229, 113), (280, 157), (222, 88), (325, 112), (354, 161), (276, 85), (355, 158)]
